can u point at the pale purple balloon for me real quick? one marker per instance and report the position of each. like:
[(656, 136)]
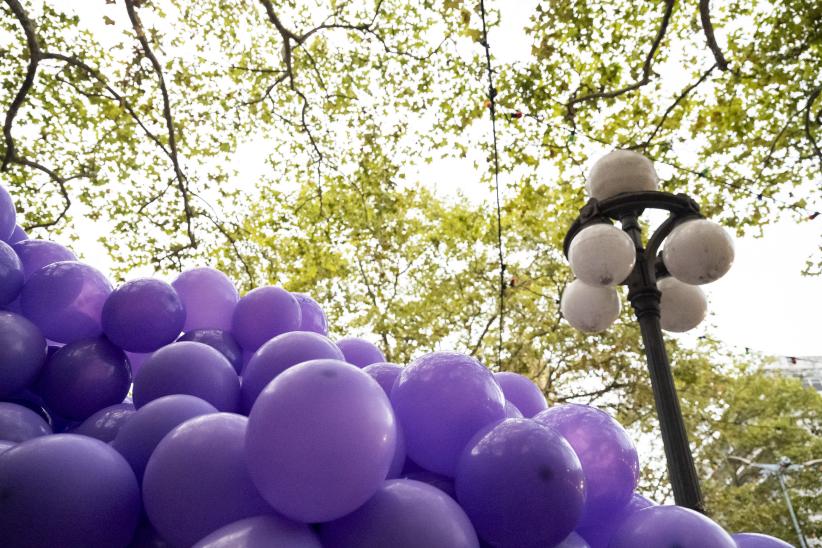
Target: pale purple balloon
[(512, 411), (608, 456), (22, 353), (188, 368), (756, 540), (209, 297), (264, 313), (105, 423), (385, 374), (280, 353), (321, 438), (11, 274), (271, 531), (35, 254), (599, 534), (65, 300), (18, 423), (196, 480), (670, 526), (522, 392), (441, 400), (68, 491), (143, 315), (18, 235), (313, 316), (521, 484), (221, 341), (360, 352), (403, 514), (8, 214), (4, 445), (83, 377)]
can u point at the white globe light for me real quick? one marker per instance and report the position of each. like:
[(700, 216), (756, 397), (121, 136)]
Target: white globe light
[(698, 252), (621, 171), (588, 308), (682, 306), (602, 255)]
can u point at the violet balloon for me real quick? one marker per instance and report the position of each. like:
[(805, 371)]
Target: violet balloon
[(522, 392), (360, 352), (271, 531), (670, 526), (8, 215), (147, 537), (143, 315), (107, 422), (4, 445), (264, 313), (280, 353), (83, 377), (755, 540), (56, 489), (196, 480), (221, 341), (443, 483), (441, 400), (313, 316), (385, 374), (22, 353), (35, 254), (136, 360), (521, 484), (17, 235), (209, 297), (599, 534), (11, 274), (18, 423), (65, 301), (512, 411), (321, 438), (573, 541), (188, 368)]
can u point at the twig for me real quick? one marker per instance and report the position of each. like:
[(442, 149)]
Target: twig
[(708, 28)]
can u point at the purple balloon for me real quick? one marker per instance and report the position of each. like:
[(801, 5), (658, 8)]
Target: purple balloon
[(8, 215), (35, 254), (321, 438), (22, 353), (360, 352), (755, 540), (57, 489), (138, 438), (441, 400), (280, 353), (31, 401), (271, 531), (403, 514), (385, 374), (196, 480), (209, 297), (65, 301), (105, 423), (18, 235), (5, 445), (599, 534), (400, 456), (313, 317), (573, 541), (147, 537), (143, 315), (444, 484), (136, 360), (264, 313), (18, 423), (521, 484), (670, 526), (522, 392), (188, 368), (11, 274), (83, 377), (512, 411), (607, 454), (221, 341)]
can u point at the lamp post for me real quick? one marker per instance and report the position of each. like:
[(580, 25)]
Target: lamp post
[(661, 286)]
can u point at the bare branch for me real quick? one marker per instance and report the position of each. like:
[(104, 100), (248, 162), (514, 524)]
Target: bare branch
[(808, 131), (708, 28)]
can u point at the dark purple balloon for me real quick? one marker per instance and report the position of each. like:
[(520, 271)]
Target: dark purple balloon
[(136, 360), (11, 274), (22, 353), (264, 313), (67, 491), (8, 215), (670, 526), (271, 531), (188, 368), (83, 377), (280, 353), (35, 254), (147, 537), (143, 315), (521, 484), (31, 401), (18, 423), (221, 341), (209, 297), (313, 317), (65, 301), (522, 392), (18, 235), (196, 480), (573, 541), (441, 400), (385, 374), (755, 540), (444, 484), (105, 423), (360, 352), (599, 534), (137, 439)]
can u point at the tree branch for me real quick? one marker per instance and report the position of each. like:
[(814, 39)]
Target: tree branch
[(708, 29), (808, 131)]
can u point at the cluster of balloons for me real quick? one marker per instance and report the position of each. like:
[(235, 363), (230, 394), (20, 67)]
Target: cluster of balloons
[(247, 427)]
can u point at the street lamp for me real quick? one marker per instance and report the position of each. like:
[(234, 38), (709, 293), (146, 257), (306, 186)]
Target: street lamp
[(661, 286)]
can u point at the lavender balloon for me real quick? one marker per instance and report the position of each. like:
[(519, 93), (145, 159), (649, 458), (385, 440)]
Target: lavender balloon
[(263, 314), (11, 274), (321, 438), (221, 341), (522, 392), (83, 377), (188, 368), (8, 215), (65, 301), (385, 374), (209, 297), (143, 315), (670, 526), (35, 254), (22, 353), (403, 514), (280, 353), (18, 423), (599, 534), (18, 235), (607, 454), (196, 480), (755, 540), (441, 400), (512, 411), (521, 484), (360, 352), (105, 423), (57, 489), (269, 531), (138, 438), (313, 317)]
